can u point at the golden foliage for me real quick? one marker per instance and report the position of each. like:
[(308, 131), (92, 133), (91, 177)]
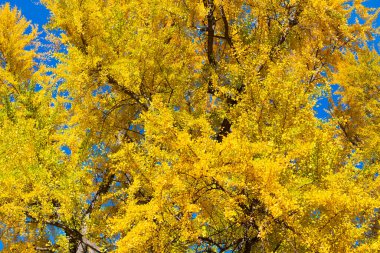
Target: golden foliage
[(191, 128)]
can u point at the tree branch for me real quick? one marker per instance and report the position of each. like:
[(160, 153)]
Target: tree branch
[(74, 234), (227, 33), (103, 188), (123, 89)]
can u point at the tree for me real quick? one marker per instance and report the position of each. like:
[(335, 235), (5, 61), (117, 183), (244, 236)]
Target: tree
[(189, 126)]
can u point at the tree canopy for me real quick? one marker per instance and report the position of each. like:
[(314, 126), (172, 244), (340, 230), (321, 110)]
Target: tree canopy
[(189, 126)]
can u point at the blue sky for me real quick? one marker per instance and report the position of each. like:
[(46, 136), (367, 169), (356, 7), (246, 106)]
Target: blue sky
[(31, 9)]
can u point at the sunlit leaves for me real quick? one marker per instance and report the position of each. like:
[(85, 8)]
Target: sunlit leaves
[(188, 126)]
